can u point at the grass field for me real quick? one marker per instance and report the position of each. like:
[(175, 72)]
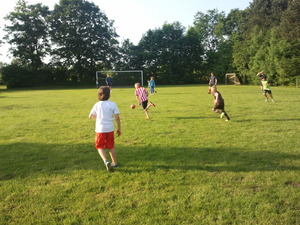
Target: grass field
[(184, 166)]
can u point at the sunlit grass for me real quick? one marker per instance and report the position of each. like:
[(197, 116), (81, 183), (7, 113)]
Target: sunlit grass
[(184, 166)]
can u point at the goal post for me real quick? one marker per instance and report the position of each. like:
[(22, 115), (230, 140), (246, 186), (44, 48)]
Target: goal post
[(231, 78), (120, 71)]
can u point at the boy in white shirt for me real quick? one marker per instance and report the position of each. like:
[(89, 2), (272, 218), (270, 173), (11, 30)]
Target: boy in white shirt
[(105, 112)]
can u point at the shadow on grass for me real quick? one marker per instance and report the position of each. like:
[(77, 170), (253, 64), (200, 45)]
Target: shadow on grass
[(30, 159), (193, 117)]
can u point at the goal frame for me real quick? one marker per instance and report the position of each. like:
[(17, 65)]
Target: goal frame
[(121, 71), (236, 80)]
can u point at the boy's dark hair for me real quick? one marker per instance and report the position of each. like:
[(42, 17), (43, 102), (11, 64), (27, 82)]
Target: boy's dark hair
[(103, 93)]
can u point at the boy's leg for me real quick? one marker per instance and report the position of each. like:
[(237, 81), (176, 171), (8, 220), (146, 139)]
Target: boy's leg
[(226, 115), (150, 104), (102, 154), (146, 112), (217, 111), (265, 94), (113, 156), (272, 98)]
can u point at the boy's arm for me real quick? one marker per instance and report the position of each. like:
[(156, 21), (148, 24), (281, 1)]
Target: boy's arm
[(138, 100), (117, 117), (92, 116), (216, 97), (259, 73)]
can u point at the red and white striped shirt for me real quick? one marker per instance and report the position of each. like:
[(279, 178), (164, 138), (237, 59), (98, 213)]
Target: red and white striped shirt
[(141, 93)]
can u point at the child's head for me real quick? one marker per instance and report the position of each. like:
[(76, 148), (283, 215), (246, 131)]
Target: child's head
[(152, 78), (137, 85), (212, 73), (263, 78), (103, 93)]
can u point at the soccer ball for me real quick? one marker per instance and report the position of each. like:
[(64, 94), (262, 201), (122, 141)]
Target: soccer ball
[(132, 106)]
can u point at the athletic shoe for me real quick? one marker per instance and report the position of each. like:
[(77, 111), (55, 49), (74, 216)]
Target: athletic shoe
[(266, 100), (108, 166), (115, 165), (222, 115), (273, 100), (151, 104)]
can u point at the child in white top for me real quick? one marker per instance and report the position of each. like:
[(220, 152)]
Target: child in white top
[(105, 112)]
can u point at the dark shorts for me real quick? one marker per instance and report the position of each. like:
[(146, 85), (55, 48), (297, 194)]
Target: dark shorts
[(219, 105), (268, 91), (145, 104)]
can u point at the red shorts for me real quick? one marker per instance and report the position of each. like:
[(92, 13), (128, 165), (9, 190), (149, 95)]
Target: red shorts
[(105, 140)]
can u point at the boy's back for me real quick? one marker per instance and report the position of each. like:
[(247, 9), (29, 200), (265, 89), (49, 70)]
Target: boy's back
[(104, 112)]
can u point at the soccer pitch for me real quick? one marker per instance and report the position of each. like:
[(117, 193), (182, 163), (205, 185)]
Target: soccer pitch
[(183, 166)]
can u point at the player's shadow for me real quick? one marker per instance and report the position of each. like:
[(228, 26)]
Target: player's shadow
[(33, 159)]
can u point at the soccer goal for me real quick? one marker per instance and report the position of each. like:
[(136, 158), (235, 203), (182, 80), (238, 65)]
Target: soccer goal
[(231, 78), (126, 78)]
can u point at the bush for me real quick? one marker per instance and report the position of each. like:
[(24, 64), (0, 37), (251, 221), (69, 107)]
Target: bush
[(15, 76)]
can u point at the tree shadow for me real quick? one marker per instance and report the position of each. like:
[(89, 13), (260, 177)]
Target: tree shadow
[(19, 160)]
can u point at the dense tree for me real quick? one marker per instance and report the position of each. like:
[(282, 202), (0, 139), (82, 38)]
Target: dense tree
[(211, 28), (268, 42), (167, 52), (28, 33), (265, 36), (84, 38)]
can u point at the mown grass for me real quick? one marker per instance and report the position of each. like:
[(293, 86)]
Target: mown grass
[(184, 166)]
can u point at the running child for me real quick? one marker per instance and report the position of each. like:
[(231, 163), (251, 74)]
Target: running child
[(141, 95), (266, 89), (105, 111), (261, 75), (219, 103)]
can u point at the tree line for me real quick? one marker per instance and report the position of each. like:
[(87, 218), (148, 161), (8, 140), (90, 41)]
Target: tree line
[(75, 39)]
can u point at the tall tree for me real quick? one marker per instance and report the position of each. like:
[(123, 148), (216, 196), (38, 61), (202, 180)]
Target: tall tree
[(211, 28), (166, 51), (269, 41), (28, 33), (84, 38)]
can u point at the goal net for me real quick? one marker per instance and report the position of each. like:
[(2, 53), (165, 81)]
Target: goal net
[(120, 78), (231, 78)]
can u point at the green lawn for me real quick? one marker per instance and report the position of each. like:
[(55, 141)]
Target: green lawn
[(184, 166)]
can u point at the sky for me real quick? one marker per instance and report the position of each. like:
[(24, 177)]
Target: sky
[(133, 18)]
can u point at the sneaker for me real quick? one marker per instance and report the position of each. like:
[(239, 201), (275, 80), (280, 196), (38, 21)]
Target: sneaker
[(108, 166), (115, 165), (222, 115), (273, 100), (266, 100), (151, 104)]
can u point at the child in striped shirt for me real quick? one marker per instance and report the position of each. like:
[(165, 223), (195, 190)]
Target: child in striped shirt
[(142, 98)]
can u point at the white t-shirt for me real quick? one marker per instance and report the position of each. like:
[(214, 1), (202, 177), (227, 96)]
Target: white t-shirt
[(104, 112)]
